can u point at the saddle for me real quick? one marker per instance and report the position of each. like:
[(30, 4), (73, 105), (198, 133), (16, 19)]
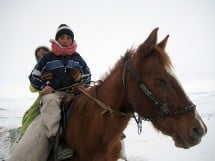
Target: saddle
[(66, 105)]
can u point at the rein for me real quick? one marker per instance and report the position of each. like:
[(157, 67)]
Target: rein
[(101, 104), (162, 106)]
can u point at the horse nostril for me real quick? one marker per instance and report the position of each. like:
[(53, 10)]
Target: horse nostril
[(197, 132)]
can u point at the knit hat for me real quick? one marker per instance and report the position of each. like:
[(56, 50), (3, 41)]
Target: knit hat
[(64, 29)]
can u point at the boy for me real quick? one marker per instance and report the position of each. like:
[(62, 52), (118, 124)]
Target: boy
[(66, 67)]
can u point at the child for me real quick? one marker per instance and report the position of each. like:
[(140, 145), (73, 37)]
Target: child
[(66, 66), (34, 110)]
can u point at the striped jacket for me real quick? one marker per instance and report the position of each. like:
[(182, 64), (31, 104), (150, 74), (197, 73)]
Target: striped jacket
[(60, 67)]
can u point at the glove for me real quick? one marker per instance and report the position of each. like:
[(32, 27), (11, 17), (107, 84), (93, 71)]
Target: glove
[(75, 74), (47, 76)]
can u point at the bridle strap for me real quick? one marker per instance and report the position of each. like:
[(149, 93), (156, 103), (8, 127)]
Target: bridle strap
[(164, 108), (138, 118), (140, 83)]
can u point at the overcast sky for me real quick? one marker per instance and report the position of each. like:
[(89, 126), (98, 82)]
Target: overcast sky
[(104, 30)]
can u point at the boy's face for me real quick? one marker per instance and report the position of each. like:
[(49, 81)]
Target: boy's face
[(65, 40)]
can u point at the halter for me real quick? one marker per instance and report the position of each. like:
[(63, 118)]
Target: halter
[(166, 110)]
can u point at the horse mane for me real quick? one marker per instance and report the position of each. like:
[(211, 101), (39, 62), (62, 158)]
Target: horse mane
[(119, 63)]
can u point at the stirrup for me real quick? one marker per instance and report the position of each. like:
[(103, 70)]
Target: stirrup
[(64, 152)]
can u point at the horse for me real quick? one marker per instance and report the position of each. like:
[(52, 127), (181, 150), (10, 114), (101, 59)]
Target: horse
[(140, 86)]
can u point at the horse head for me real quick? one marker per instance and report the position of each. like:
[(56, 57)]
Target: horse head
[(156, 95)]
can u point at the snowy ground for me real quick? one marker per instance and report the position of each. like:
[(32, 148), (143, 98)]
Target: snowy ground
[(149, 146)]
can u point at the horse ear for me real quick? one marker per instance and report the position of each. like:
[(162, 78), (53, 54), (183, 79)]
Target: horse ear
[(149, 43), (163, 43)]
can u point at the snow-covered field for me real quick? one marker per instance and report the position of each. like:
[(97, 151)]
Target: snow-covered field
[(149, 146)]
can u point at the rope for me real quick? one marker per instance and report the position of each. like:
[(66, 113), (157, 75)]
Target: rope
[(105, 108)]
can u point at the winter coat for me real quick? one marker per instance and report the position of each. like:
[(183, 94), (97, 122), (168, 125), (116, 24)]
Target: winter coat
[(60, 67)]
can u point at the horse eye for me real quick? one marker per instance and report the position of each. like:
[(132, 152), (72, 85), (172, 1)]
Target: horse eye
[(161, 82)]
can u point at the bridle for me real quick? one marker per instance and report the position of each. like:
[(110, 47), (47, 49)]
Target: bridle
[(166, 110)]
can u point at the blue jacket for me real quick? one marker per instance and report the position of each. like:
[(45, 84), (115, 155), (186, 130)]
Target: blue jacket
[(60, 67)]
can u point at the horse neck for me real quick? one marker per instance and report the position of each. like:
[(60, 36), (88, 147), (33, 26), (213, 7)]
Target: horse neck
[(111, 93)]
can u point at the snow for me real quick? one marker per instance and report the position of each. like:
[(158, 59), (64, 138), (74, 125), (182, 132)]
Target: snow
[(151, 145)]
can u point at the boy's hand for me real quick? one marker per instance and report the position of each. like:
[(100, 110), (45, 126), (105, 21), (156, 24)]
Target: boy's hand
[(75, 74), (47, 76), (47, 90)]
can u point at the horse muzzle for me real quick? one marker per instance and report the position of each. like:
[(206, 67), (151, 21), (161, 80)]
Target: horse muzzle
[(195, 134)]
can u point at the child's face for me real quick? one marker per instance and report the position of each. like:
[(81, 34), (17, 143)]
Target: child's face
[(40, 53), (65, 40)]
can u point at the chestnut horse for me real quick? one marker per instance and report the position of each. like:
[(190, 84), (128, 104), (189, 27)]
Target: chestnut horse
[(142, 83)]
